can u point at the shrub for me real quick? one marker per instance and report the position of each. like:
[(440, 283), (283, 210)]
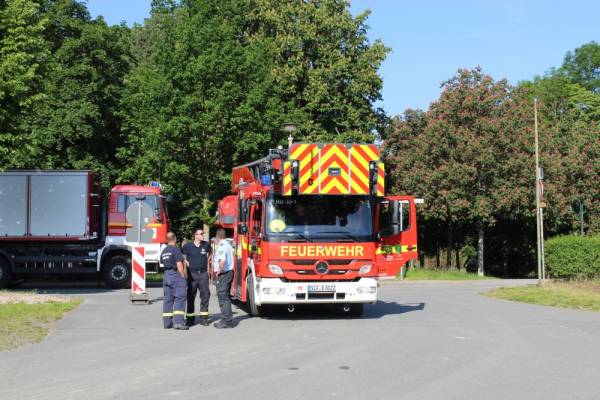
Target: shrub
[(573, 257)]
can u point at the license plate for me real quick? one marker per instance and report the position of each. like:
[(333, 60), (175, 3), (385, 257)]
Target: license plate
[(321, 288)]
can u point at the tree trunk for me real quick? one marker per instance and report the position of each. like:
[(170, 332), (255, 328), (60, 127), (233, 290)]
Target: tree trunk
[(480, 251), (449, 251), (437, 256), (458, 257)]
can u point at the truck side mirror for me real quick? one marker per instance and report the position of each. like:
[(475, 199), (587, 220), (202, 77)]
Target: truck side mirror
[(170, 198)]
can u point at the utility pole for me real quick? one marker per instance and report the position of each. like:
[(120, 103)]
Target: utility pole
[(538, 214)]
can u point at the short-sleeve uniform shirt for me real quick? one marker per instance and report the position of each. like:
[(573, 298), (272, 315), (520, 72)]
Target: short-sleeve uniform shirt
[(170, 256), (224, 252), (197, 256)]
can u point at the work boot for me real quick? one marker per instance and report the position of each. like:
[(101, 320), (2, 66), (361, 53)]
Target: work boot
[(204, 321), (168, 326), (223, 325), (181, 327)]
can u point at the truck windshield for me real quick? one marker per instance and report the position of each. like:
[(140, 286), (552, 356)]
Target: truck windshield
[(318, 218), (124, 201)]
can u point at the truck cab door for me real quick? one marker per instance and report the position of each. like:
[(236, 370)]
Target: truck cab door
[(396, 225)]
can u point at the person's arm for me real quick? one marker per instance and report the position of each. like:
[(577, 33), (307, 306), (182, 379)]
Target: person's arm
[(182, 270), (180, 266), (185, 260)]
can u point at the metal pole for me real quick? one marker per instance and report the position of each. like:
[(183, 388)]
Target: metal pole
[(542, 245), (537, 194), (139, 221)]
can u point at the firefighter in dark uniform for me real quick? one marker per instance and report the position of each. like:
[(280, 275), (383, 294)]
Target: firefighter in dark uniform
[(196, 256), (174, 285)]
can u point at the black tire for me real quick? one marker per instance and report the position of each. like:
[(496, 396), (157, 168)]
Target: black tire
[(255, 310), (117, 272), (5, 273)]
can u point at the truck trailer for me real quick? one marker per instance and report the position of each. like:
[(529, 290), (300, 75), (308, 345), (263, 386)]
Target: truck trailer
[(60, 222), (312, 225)]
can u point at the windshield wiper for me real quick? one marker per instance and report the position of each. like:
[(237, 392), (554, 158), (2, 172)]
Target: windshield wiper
[(301, 238), (346, 234)]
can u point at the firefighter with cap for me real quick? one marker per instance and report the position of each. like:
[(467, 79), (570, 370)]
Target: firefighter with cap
[(174, 285), (223, 267), (196, 256)]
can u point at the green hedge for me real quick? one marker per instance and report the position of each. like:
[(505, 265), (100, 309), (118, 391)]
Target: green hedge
[(573, 257)]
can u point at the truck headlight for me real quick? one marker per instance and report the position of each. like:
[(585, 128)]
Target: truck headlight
[(365, 269), (275, 269)]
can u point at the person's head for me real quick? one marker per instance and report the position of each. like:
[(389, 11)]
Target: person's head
[(171, 238), (198, 235), (220, 234)]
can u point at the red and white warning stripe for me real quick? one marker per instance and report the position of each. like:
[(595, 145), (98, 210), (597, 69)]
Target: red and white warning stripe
[(138, 270)]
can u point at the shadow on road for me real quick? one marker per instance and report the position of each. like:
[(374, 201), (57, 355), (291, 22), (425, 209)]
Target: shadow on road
[(334, 311)]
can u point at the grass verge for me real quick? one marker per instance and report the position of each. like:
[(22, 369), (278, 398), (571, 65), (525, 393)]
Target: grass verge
[(449, 275), (575, 295), (25, 322)]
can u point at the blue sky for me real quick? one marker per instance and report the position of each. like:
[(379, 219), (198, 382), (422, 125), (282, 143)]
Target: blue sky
[(431, 39)]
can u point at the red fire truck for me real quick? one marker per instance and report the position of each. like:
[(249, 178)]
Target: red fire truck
[(59, 222), (312, 224)]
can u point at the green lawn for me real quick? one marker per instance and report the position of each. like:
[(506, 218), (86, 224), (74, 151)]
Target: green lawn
[(22, 323), (576, 295), (450, 275)]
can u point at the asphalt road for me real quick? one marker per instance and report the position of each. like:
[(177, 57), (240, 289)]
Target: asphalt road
[(421, 341)]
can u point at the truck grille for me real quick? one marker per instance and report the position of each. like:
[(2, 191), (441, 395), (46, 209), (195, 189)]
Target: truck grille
[(313, 262)]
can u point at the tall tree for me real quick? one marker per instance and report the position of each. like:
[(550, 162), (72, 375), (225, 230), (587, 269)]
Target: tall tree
[(325, 66), (582, 66), (467, 155), (23, 52), (219, 78), (77, 126)]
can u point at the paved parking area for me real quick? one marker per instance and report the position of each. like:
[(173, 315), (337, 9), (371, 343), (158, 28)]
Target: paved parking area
[(423, 340)]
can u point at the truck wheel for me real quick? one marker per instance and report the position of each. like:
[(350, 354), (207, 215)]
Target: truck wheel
[(117, 272), (255, 310), (5, 273)]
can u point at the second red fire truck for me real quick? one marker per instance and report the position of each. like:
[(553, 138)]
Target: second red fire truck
[(312, 224), (60, 222)]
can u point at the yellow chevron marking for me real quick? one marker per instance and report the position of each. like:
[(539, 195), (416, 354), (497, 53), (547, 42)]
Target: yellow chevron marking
[(358, 189), (357, 159), (357, 173), (287, 178), (334, 150), (369, 152), (337, 184), (298, 151)]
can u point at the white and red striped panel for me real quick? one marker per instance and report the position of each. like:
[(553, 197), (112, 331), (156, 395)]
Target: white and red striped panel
[(138, 270)]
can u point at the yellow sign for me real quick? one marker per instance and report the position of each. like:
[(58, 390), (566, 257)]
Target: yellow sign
[(277, 226)]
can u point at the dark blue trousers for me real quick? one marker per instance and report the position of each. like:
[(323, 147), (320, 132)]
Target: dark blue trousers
[(197, 282), (175, 293)]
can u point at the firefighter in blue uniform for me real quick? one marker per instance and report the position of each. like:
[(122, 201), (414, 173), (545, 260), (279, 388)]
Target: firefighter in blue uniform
[(174, 285), (196, 256)]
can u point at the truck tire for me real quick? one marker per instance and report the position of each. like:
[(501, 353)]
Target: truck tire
[(255, 310), (117, 272), (5, 273)]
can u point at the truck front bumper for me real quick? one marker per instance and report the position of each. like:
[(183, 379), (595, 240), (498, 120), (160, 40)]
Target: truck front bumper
[(276, 291)]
